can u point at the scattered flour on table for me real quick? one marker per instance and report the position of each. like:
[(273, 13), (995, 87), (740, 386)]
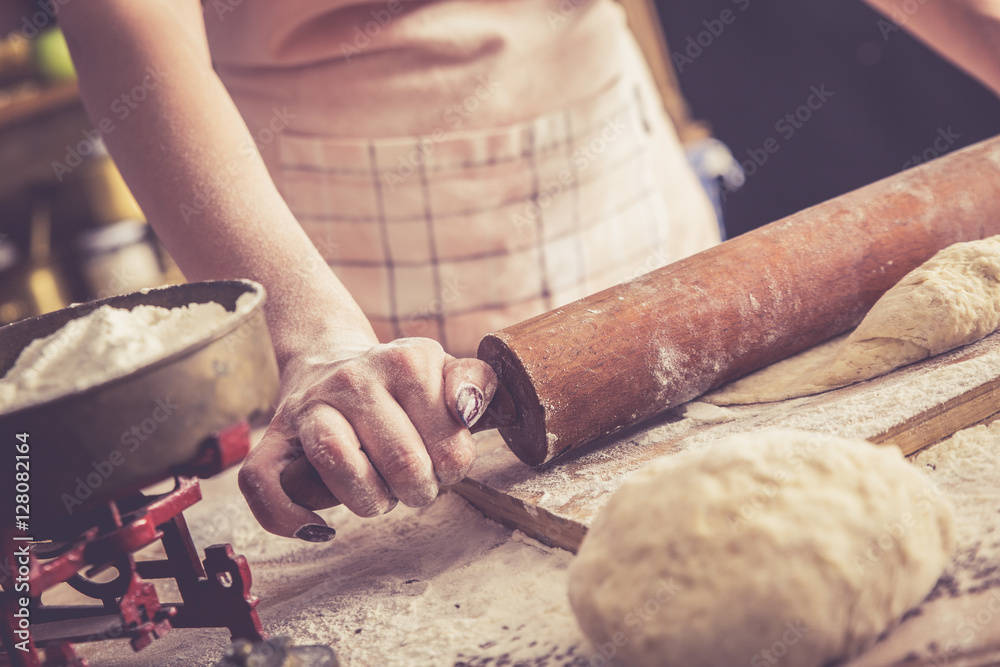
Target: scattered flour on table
[(440, 585), (398, 578), (957, 624), (967, 468), (105, 344)]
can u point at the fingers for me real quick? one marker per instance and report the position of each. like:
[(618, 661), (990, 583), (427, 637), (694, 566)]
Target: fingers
[(332, 447), (259, 480), (388, 424), (469, 385), (393, 445), (421, 393), (446, 440), (452, 456)]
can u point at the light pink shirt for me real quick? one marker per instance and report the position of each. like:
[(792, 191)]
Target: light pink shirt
[(336, 60)]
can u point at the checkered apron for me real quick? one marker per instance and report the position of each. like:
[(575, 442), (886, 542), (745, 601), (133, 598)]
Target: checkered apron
[(457, 233)]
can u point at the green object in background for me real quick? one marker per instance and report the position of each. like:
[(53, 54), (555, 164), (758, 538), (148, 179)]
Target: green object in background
[(52, 57)]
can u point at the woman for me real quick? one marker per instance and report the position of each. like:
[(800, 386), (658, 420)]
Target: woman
[(420, 172)]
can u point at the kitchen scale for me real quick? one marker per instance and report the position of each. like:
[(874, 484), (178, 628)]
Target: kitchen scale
[(88, 515)]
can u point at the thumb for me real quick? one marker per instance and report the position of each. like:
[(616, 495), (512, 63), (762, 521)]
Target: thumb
[(469, 385)]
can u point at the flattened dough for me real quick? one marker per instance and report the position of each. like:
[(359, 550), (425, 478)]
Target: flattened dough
[(787, 544), (951, 300)]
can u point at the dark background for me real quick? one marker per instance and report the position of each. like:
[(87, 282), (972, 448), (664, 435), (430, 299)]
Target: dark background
[(891, 97)]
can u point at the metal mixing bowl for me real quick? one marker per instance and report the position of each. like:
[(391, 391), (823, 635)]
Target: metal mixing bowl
[(108, 440)]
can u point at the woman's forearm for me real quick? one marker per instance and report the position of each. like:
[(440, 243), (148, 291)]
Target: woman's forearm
[(966, 32), (194, 169)]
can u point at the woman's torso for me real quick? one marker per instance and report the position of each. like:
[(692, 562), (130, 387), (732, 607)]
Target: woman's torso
[(475, 163)]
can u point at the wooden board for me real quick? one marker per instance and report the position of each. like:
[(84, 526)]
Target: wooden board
[(912, 408)]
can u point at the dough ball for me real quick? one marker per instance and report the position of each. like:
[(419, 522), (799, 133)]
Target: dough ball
[(779, 547), (951, 300)]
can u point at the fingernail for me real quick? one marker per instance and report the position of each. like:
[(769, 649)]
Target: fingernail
[(314, 532), (470, 404)]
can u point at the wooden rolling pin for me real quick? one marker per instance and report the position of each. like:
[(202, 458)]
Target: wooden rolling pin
[(617, 357)]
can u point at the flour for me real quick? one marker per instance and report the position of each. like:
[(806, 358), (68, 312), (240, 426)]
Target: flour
[(105, 344), (706, 413), (438, 585), (967, 468), (384, 592)]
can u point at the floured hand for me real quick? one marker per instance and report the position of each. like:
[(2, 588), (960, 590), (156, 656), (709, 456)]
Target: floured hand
[(389, 423)]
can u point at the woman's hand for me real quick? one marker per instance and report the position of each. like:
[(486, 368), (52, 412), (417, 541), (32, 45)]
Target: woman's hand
[(390, 423)]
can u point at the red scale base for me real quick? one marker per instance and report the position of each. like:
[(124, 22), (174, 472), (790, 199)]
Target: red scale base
[(215, 592)]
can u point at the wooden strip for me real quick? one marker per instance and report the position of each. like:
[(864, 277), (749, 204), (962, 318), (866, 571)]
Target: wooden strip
[(535, 522), (979, 405)]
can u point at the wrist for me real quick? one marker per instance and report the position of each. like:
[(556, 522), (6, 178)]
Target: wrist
[(316, 331), (305, 344)]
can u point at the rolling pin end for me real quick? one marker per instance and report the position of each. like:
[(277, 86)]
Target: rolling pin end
[(501, 412)]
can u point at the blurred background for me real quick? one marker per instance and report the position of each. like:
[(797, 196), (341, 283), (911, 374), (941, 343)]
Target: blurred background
[(70, 230), (893, 100), (813, 99)]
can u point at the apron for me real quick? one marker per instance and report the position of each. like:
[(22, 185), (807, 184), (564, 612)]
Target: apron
[(454, 234)]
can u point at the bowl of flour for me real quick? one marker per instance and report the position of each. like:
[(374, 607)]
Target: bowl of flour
[(116, 393)]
